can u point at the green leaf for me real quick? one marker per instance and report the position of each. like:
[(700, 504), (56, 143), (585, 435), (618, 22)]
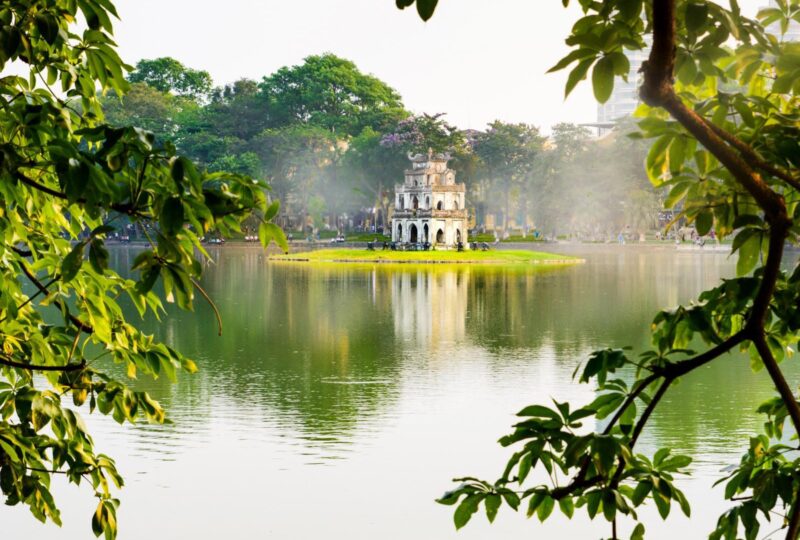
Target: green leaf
[(172, 216), (662, 504), (425, 8), (567, 506), (749, 252), (577, 74), (641, 492), (177, 171), (71, 264), (268, 232), (511, 498), (545, 508), (524, 467), (677, 193), (535, 501), (703, 222), (539, 411), (272, 210), (466, 509), (492, 504), (638, 532), (609, 505), (450, 497), (98, 256), (603, 79), (578, 54), (696, 16)]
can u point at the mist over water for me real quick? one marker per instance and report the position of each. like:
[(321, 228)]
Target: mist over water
[(339, 402)]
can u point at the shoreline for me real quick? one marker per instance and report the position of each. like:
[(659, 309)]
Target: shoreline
[(493, 257), (542, 262)]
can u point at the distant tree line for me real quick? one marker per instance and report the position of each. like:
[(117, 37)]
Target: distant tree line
[(332, 142)]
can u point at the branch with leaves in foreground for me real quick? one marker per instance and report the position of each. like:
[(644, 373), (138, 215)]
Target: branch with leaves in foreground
[(68, 180), (730, 161)]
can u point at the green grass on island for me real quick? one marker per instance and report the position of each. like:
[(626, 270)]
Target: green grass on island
[(361, 255)]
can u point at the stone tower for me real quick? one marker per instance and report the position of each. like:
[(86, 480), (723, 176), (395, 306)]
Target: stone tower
[(429, 205)]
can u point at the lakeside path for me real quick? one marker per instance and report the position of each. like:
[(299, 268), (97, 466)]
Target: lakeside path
[(504, 257)]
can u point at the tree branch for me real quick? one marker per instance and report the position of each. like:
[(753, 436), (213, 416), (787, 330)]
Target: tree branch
[(43, 289), (6, 361), (128, 209), (753, 157), (683, 367), (658, 91), (210, 303)]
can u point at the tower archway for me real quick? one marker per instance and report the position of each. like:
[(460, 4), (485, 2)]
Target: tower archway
[(399, 232), (413, 234), (440, 236), (440, 205), (426, 233)]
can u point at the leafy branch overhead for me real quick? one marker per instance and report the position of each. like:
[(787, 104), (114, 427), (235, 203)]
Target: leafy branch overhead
[(720, 101), (425, 8), (68, 181)]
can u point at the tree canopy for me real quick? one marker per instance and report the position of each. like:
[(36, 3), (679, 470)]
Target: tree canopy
[(168, 75), (236, 127), (330, 92)]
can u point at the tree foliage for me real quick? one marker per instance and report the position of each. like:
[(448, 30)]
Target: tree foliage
[(721, 97), (68, 178), (371, 134), (168, 75), (509, 154), (330, 92)]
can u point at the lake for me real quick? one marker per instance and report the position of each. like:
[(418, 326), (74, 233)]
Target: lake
[(340, 401)]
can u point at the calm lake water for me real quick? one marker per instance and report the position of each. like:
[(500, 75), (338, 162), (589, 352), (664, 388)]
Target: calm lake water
[(340, 401)]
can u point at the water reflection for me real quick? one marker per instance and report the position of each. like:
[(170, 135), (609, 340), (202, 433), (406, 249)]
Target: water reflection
[(358, 392), (429, 307)]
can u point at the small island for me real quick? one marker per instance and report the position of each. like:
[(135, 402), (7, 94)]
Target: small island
[(505, 257), (429, 226)]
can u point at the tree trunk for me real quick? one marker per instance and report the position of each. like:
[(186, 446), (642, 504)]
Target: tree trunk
[(508, 207)]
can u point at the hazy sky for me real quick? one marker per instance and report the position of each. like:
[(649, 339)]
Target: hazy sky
[(477, 60)]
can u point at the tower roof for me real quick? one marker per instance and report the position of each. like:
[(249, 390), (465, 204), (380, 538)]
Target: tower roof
[(430, 156)]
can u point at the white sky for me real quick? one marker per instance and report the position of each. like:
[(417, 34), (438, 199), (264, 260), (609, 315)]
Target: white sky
[(477, 60)]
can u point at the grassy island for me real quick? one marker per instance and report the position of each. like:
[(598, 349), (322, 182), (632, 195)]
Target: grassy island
[(506, 257)]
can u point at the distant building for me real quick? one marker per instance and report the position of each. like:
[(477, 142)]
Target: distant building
[(429, 205)]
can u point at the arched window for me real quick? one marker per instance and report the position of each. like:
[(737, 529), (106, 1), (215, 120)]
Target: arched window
[(427, 202), (400, 202), (455, 204), (415, 202), (425, 233), (413, 234), (440, 205), (440, 236), (399, 232)]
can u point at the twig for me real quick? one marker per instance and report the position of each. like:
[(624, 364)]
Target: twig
[(210, 303), (5, 361)]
